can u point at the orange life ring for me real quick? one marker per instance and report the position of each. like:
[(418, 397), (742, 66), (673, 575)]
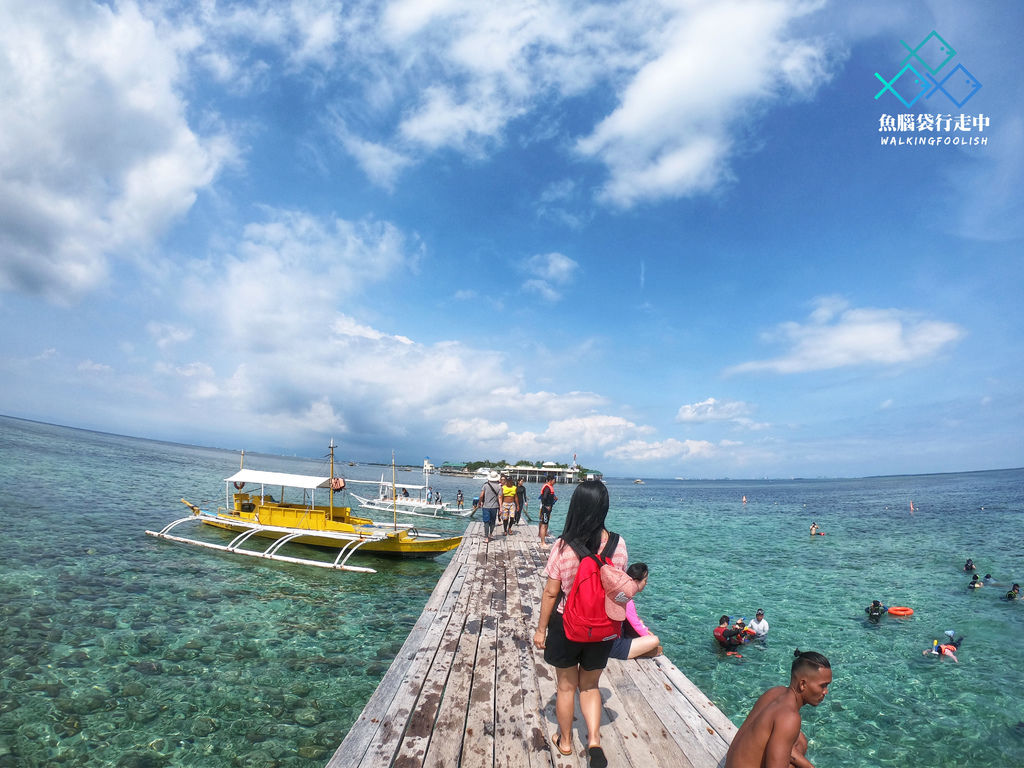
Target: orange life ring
[(899, 610), (239, 486), (337, 483)]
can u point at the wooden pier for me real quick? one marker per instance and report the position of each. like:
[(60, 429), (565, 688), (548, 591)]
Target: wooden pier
[(468, 689)]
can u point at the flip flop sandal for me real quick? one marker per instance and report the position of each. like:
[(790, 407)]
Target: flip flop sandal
[(597, 758), (558, 744)]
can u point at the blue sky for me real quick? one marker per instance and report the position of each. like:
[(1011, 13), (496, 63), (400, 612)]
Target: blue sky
[(662, 235)]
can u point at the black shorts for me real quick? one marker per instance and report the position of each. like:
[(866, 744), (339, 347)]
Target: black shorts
[(620, 648), (561, 652), (545, 515)]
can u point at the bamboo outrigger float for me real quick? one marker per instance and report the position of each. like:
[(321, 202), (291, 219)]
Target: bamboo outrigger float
[(255, 513)]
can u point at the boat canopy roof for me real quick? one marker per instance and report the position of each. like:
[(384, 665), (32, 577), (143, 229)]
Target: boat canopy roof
[(278, 478)]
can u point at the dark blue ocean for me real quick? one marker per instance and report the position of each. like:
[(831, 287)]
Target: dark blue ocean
[(121, 650)]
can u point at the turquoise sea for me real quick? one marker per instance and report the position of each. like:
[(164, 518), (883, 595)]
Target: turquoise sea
[(121, 650)]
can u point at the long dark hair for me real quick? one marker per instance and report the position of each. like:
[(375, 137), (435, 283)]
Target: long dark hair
[(587, 510)]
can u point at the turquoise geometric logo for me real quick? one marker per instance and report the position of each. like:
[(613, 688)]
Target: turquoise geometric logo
[(930, 57)]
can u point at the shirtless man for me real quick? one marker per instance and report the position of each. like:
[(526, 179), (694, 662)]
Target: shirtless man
[(770, 737)]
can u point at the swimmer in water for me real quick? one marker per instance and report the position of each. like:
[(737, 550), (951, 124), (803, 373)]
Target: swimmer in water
[(875, 610), (969, 566), (814, 528), (976, 583), (1014, 592), (945, 649)]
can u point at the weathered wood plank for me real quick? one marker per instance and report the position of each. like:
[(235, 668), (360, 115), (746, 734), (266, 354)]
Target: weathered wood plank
[(445, 745), (643, 735), (421, 727)]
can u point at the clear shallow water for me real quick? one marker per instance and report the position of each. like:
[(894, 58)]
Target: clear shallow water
[(121, 650)]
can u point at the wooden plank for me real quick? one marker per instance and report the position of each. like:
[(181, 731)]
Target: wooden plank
[(531, 586), (421, 727), (367, 729), (444, 749), (715, 717), (511, 738), (406, 701), (478, 740), (533, 733), (703, 746), (644, 737)]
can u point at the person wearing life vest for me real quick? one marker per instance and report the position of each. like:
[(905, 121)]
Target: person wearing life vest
[(945, 649), (1014, 592), (578, 665), (729, 637), (875, 610), (547, 501)]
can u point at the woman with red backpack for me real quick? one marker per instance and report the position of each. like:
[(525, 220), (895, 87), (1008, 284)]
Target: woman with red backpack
[(578, 664)]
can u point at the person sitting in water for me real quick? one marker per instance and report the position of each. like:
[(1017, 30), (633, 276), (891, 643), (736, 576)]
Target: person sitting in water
[(945, 649), (759, 625), (875, 610), (969, 566), (976, 583), (730, 637), (1014, 592), (637, 639)]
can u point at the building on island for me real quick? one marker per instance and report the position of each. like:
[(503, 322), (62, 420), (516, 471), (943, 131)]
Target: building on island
[(528, 472)]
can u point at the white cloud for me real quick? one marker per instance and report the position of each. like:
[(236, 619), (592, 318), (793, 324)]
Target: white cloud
[(587, 434), (712, 410), (110, 164), (551, 272), (165, 334), (836, 337), (663, 450), (89, 366), (673, 132), (381, 164)]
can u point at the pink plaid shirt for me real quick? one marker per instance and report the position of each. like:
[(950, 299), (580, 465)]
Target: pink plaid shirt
[(563, 564)]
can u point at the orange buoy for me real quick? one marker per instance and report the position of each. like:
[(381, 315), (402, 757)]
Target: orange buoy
[(901, 610)]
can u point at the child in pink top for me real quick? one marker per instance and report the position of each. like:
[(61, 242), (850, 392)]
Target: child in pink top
[(637, 639)]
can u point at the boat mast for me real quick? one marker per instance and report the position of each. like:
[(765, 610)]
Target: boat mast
[(331, 505), (394, 497)]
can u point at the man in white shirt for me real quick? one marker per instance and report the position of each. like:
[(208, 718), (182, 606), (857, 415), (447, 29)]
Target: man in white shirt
[(759, 625)]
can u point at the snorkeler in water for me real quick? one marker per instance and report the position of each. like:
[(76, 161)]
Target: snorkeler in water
[(875, 610), (945, 649), (976, 583)]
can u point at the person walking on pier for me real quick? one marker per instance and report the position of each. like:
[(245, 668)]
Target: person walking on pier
[(520, 499), (578, 665), (547, 501), (490, 500)]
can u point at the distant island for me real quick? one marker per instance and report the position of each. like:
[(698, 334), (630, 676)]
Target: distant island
[(528, 469)]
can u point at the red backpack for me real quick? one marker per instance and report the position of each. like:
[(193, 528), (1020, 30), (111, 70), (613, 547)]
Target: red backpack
[(585, 618)]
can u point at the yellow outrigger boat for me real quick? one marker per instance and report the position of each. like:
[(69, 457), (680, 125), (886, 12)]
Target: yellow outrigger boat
[(251, 511)]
